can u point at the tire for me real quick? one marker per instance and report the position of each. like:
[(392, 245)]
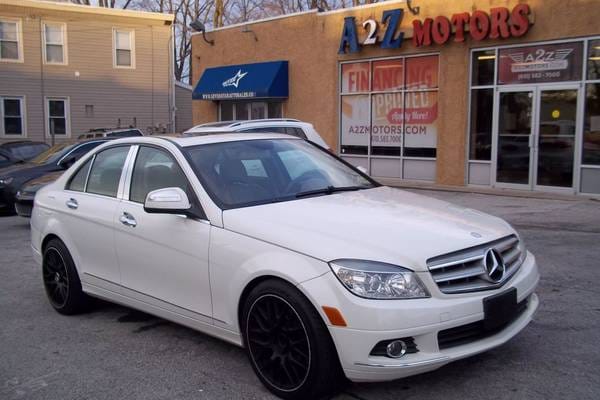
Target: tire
[(288, 344), (61, 280)]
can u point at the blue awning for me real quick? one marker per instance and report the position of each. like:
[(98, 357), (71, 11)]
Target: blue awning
[(244, 81)]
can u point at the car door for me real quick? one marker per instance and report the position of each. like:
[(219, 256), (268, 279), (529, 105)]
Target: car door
[(89, 202), (163, 257)]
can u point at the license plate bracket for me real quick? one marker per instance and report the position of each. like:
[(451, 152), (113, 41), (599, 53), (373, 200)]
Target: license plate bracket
[(499, 309)]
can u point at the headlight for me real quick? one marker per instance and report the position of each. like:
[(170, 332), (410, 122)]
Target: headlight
[(376, 280), (6, 181)]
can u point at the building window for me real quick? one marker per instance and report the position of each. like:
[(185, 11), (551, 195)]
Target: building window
[(246, 110), (124, 45), (483, 72), (12, 111), (11, 48), (389, 107), (55, 43), (57, 112)]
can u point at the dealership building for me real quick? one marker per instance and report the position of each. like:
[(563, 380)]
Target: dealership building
[(490, 94)]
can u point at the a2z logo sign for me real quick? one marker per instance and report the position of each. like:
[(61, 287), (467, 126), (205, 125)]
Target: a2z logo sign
[(393, 19)]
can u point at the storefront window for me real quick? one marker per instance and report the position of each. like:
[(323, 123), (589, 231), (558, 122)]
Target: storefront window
[(420, 124), (422, 72), (593, 61), (388, 75), (355, 77), (541, 63), (244, 110), (482, 109), (387, 114), (591, 126), (397, 107), (484, 65), (226, 111), (355, 124)]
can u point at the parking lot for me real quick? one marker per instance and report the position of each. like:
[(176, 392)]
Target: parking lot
[(117, 353)]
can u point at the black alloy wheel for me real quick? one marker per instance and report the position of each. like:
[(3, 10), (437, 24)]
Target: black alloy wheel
[(61, 280), (278, 342), (56, 278), (288, 344)]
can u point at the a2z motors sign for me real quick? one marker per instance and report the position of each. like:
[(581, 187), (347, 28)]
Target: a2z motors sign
[(499, 23), (541, 63)]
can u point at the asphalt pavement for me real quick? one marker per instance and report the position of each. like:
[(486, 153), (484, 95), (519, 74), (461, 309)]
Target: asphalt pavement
[(118, 353)]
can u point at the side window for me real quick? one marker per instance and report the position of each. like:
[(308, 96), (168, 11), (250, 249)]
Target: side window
[(267, 129), (106, 171), (77, 182), (295, 132), (154, 169), (83, 149)]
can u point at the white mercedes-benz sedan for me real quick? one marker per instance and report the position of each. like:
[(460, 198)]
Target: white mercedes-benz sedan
[(274, 244)]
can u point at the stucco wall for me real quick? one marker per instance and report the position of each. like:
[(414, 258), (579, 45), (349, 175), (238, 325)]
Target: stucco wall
[(310, 42)]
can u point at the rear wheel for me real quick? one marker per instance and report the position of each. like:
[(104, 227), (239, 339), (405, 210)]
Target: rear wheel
[(61, 280), (288, 344)]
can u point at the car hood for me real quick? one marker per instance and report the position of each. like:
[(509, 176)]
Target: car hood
[(380, 224), (20, 166)]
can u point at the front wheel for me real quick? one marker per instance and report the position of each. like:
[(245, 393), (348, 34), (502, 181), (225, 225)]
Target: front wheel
[(288, 344)]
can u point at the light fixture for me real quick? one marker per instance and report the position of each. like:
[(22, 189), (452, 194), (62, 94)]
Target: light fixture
[(413, 10), (492, 57), (594, 58), (198, 26)]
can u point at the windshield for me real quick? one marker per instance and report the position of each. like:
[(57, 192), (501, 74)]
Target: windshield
[(53, 154), (252, 172)]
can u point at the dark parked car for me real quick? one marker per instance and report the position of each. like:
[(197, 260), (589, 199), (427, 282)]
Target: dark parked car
[(25, 195), (19, 151), (57, 158)]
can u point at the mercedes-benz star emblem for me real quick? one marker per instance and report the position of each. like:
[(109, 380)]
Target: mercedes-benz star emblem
[(494, 266)]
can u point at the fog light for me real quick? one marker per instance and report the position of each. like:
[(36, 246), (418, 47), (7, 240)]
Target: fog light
[(396, 349)]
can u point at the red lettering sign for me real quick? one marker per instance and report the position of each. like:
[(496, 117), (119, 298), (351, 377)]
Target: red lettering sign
[(499, 23)]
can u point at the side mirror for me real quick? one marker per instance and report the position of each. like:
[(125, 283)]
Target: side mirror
[(363, 170), (65, 163), (171, 200)]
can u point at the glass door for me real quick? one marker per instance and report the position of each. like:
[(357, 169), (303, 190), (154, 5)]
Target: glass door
[(555, 144), (514, 133)]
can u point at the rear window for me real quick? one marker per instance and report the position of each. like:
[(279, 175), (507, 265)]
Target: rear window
[(28, 151)]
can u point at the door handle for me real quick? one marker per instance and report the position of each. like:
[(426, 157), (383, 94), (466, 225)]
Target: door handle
[(72, 204), (128, 220)]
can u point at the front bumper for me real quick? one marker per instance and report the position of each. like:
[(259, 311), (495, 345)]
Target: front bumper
[(372, 321)]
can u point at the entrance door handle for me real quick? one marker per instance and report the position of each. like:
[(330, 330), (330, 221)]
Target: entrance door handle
[(72, 204), (128, 220)]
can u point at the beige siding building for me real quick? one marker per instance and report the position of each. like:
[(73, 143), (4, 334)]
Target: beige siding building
[(66, 69)]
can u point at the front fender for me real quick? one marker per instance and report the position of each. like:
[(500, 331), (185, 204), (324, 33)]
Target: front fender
[(236, 260)]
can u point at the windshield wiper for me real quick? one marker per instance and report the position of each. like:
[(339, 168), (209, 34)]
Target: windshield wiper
[(329, 190)]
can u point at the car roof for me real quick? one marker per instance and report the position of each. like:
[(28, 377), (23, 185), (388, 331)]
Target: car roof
[(220, 137)]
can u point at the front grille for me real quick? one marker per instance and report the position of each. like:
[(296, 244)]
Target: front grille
[(380, 348), (465, 270), (474, 331)]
